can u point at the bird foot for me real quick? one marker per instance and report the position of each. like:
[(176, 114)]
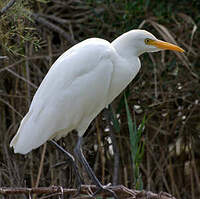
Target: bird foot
[(105, 188)]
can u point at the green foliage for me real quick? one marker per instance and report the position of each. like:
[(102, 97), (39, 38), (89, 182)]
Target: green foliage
[(22, 29), (137, 147)]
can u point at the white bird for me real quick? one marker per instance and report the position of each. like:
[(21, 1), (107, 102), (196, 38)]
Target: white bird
[(83, 81)]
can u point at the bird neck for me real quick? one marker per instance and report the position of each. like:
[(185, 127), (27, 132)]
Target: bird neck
[(125, 48)]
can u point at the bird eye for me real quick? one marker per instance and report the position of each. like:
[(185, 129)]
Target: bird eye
[(146, 41)]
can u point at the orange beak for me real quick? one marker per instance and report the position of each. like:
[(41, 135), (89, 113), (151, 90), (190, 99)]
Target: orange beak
[(165, 45)]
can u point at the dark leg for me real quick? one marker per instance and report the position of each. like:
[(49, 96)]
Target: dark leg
[(71, 160), (80, 156)]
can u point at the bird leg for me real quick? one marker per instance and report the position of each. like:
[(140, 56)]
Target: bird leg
[(78, 152), (71, 160)]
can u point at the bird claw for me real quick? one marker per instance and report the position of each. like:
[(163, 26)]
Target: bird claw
[(105, 188)]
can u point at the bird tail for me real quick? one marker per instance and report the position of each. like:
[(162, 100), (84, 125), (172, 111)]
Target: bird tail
[(15, 141)]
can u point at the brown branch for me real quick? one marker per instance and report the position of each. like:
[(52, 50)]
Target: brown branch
[(28, 58), (3, 57), (53, 27), (120, 190), (41, 165), (22, 78), (9, 4), (109, 117)]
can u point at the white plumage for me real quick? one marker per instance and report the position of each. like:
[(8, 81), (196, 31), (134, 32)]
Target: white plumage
[(84, 80)]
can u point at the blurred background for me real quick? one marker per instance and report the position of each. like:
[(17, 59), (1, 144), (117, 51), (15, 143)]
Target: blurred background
[(158, 149)]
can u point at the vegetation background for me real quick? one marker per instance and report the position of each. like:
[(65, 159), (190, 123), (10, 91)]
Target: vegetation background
[(163, 100)]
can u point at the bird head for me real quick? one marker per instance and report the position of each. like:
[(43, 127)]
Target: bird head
[(152, 44), (140, 41)]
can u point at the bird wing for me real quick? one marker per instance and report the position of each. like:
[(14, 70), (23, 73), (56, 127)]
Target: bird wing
[(73, 92)]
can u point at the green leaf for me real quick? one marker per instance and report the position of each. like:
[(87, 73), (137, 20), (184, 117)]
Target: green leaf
[(137, 147)]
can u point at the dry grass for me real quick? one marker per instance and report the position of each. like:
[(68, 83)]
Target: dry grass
[(167, 91)]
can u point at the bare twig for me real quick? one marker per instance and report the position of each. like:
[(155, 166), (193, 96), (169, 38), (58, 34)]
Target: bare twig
[(11, 107), (101, 151), (108, 115), (53, 27), (22, 78), (120, 190), (56, 19), (3, 57), (9, 4), (28, 58), (155, 77), (41, 165)]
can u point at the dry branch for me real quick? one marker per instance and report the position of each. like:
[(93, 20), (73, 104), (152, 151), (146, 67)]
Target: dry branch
[(8, 5), (120, 190), (53, 27)]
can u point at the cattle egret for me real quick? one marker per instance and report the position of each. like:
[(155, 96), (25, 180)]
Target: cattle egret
[(83, 81)]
